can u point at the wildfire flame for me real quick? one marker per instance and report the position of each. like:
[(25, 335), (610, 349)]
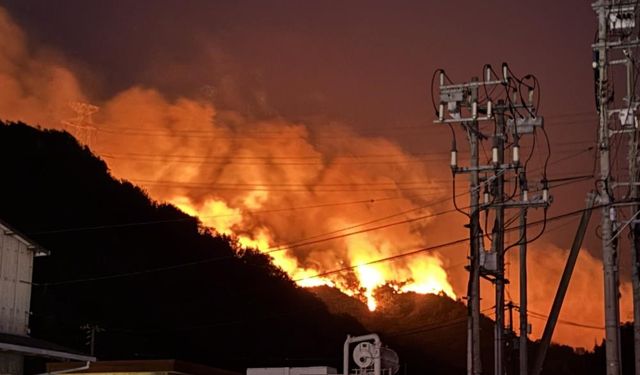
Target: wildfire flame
[(421, 275)]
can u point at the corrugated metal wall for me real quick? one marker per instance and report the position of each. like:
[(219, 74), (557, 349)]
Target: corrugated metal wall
[(16, 266)]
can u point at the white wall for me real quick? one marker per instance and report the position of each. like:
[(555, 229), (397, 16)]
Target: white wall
[(16, 266)]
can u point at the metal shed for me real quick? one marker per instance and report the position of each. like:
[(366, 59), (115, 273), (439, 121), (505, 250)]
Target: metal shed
[(16, 270)]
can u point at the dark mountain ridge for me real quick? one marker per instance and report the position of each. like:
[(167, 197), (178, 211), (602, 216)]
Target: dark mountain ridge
[(147, 274), (160, 286)]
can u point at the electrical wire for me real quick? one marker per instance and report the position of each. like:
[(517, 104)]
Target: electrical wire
[(562, 321), (323, 274), (151, 222)]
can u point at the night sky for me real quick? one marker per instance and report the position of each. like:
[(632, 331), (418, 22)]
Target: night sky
[(366, 63)]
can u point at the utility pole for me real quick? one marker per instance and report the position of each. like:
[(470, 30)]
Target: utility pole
[(634, 228), (616, 45), (90, 331), (612, 318), (522, 256), (635, 246), (458, 98), (474, 362), (498, 238), (461, 104)]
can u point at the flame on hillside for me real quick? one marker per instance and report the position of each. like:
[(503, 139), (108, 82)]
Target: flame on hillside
[(421, 275)]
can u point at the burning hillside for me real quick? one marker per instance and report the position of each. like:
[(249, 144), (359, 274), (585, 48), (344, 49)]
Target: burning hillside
[(278, 186), (306, 197), (324, 201)]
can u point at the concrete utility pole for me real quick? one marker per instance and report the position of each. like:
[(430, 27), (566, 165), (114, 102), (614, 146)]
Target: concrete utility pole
[(616, 45), (498, 239), (635, 246), (474, 362), (522, 257), (461, 104), (612, 318), (634, 228)]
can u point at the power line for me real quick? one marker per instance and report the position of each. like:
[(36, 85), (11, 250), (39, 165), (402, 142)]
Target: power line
[(383, 226), (364, 201), (216, 259), (317, 156), (293, 189), (399, 159), (230, 133), (251, 212), (232, 161), (566, 322), (327, 187), (432, 326)]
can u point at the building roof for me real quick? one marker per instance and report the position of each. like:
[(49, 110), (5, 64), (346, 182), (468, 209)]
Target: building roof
[(29, 346), (31, 244), (163, 365)]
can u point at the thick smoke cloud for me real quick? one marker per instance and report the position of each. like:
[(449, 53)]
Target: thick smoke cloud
[(36, 86), (248, 178)]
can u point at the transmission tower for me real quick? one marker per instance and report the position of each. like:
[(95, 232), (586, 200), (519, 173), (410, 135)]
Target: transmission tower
[(81, 126), (616, 45), (507, 102)]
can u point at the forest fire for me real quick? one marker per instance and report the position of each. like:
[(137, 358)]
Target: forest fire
[(421, 275), (320, 199), (293, 190)]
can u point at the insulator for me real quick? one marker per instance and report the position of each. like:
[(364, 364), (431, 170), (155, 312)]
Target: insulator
[(454, 159), (441, 78), (524, 187), (489, 108), (488, 74), (474, 110), (545, 191), (505, 72), (531, 92), (516, 154), (441, 112), (612, 214), (494, 155), (486, 196)]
